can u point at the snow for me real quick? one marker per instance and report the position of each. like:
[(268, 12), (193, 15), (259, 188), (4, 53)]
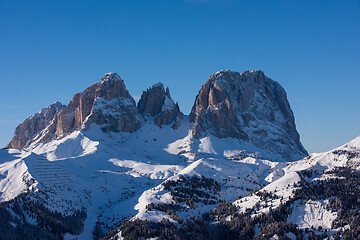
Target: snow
[(229, 174), (159, 84), (283, 176), (102, 172), (205, 146), (74, 145), (168, 105), (282, 187), (153, 171), (275, 175), (312, 214), (179, 145), (149, 197), (116, 175), (275, 237), (229, 147), (112, 107), (14, 176), (110, 75)]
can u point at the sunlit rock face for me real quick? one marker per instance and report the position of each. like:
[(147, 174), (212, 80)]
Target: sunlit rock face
[(33, 125), (106, 103), (248, 106)]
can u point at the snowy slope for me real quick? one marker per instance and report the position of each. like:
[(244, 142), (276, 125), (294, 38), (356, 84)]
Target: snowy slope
[(14, 175), (116, 176), (105, 173), (236, 178), (311, 213)]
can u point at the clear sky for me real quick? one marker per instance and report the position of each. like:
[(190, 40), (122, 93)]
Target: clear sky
[(49, 50)]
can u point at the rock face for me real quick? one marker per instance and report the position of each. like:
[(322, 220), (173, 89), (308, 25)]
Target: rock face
[(35, 124), (248, 106), (106, 103), (157, 102)]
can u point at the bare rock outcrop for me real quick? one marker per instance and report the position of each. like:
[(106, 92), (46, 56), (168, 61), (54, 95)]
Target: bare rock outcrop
[(106, 103), (34, 125), (157, 102), (248, 106)]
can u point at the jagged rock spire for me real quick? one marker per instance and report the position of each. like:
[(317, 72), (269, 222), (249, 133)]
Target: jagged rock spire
[(157, 102)]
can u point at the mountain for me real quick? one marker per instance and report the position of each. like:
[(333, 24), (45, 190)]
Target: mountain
[(247, 106), (313, 198), (157, 102), (31, 128), (105, 167), (106, 103), (245, 110)]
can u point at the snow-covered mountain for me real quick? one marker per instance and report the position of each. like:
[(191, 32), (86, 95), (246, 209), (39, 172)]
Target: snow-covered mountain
[(248, 109), (103, 166)]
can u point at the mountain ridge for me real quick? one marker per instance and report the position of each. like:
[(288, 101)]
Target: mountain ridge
[(267, 123), (100, 180)]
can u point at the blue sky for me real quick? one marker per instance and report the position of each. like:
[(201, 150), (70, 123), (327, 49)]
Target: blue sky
[(49, 50)]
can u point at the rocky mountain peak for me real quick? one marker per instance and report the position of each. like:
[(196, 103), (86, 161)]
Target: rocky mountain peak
[(107, 104), (34, 125), (157, 102), (167, 92), (152, 99), (248, 106), (110, 76)]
